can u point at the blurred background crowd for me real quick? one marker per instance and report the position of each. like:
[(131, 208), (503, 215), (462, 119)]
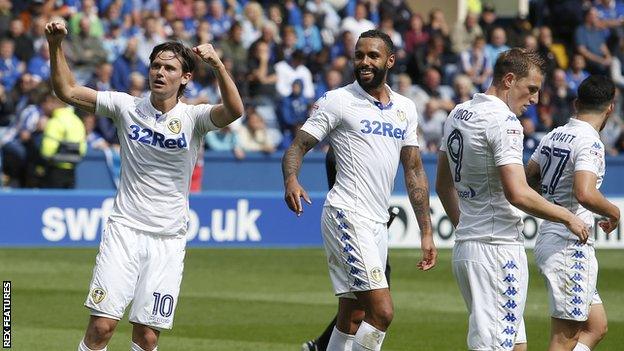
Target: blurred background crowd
[(286, 54)]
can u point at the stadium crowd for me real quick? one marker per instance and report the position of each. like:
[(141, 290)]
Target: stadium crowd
[(286, 54)]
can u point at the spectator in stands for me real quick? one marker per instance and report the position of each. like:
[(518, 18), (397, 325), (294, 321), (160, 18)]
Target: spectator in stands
[(94, 139), (179, 32), (554, 55), (576, 73), (10, 66), (294, 108), (416, 36), (359, 23), (464, 34), (344, 46), (114, 42), (611, 17), (432, 95), (270, 37), (234, 49), (220, 21), (474, 63), (254, 136), (20, 95), (406, 87), (39, 65), (592, 44), (431, 126), (530, 141), (262, 77), (293, 13), (5, 16), (89, 10), (24, 49), (463, 89), (617, 75), (151, 35), (37, 33), (308, 35), (332, 79), (399, 11), (497, 44), (291, 70), (488, 21), (326, 17), (85, 52), (101, 80), (434, 55), (20, 142), (203, 34), (7, 109), (126, 64), (520, 28), (556, 102), (199, 14), (437, 25), (225, 139), (252, 23), (63, 145)]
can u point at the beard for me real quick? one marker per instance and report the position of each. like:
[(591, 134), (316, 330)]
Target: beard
[(379, 76)]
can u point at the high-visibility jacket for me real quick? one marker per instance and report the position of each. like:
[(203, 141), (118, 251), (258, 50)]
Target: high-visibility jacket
[(64, 139)]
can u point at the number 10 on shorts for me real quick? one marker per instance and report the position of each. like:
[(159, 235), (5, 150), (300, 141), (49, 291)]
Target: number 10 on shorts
[(162, 305)]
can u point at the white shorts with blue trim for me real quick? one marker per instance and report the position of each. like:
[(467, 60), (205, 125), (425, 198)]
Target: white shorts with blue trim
[(493, 280), (357, 249), (138, 267), (571, 272)]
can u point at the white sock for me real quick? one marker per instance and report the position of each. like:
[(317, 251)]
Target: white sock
[(368, 338), (340, 341), (135, 347), (581, 347), (83, 347)]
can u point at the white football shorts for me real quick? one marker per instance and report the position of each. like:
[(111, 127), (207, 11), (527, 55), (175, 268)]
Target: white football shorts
[(357, 249), (571, 271), (133, 265), (493, 280)]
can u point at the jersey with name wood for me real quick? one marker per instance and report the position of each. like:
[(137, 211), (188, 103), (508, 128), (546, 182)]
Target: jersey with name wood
[(367, 138), (571, 148), (481, 135), (158, 154)]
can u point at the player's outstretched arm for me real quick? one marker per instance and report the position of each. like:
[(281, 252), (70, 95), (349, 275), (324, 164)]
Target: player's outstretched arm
[(63, 81), (232, 106), (519, 194), (291, 163), (445, 188), (418, 191), (533, 175), (592, 199)]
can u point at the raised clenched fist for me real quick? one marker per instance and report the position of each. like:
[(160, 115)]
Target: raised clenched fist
[(55, 32), (208, 54)]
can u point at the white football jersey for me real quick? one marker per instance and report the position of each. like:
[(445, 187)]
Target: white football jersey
[(158, 154), (573, 147), (367, 138), (481, 135)]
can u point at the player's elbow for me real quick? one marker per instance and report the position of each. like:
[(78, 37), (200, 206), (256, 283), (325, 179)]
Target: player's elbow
[(517, 197), (584, 197)]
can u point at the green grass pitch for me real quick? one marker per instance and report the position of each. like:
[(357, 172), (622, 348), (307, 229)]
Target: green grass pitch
[(269, 299)]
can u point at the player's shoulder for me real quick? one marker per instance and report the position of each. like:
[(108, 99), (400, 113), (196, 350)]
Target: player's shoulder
[(332, 99), (403, 101)]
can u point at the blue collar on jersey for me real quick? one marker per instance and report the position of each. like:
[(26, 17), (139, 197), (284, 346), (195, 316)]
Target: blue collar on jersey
[(381, 105)]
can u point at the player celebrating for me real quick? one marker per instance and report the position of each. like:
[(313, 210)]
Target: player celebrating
[(370, 128), (568, 167), (141, 255), (480, 176)]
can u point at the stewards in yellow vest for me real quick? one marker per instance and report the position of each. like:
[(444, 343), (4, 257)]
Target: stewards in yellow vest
[(62, 147)]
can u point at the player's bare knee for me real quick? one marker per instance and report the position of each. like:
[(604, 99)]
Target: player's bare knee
[(101, 330), (382, 316), (145, 337)]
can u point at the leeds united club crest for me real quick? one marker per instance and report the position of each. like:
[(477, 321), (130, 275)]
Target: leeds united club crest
[(401, 115), (174, 125), (97, 295)]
